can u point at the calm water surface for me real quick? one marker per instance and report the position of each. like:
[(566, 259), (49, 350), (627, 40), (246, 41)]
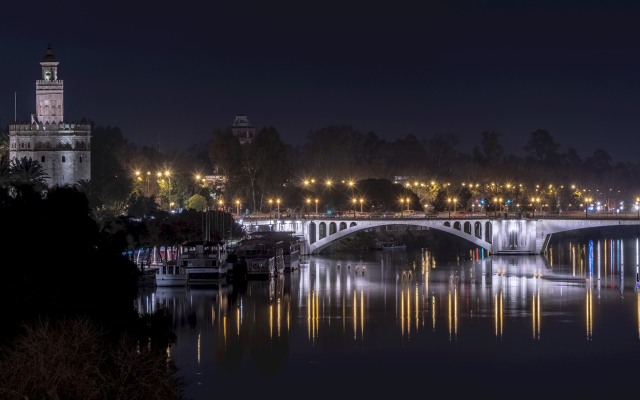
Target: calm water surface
[(408, 323)]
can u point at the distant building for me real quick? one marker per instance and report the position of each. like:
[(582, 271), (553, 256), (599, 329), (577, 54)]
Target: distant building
[(242, 129), (63, 149)]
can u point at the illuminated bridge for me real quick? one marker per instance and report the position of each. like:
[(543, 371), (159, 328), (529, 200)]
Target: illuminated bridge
[(524, 236)]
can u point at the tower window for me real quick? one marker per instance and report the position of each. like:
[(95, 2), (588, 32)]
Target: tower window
[(42, 159), (64, 159)]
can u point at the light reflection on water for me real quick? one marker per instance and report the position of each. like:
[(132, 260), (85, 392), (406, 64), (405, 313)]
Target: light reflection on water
[(388, 316)]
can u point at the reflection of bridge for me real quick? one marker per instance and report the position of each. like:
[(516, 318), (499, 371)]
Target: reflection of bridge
[(496, 235)]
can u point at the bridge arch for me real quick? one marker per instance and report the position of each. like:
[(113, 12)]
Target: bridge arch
[(497, 235), (350, 227)]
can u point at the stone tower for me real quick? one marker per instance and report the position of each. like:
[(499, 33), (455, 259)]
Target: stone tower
[(63, 149), (242, 129)]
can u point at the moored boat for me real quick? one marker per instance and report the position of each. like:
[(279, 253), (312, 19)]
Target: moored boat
[(261, 255), (279, 242), (388, 245), (204, 262), (171, 274)]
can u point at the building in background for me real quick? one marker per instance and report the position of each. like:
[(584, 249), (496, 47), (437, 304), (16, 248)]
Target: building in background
[(63, 149), (242, 129)]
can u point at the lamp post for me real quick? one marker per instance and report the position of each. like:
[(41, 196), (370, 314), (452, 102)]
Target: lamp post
[(449, 200), (354, 201), (270, 207), (534, 200), (139, 178), (401, 207), (498, 201), (278, 205), (222, 215), (308, 206), (361, 203), (587, 201), (237, 207), (316, 200)]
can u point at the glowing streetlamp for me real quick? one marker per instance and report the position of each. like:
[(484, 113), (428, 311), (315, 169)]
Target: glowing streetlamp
[(497, 200), (238, 207), (278, 204), (361, 203), (535, 200), (587, 201), (316, 200), (638, 206)]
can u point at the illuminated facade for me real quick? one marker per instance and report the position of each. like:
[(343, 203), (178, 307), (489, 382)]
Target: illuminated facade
[(63, 149)]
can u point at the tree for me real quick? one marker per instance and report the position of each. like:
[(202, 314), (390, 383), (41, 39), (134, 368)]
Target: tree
[(26, 172), (490, 151), (111, 182), (542, 147)]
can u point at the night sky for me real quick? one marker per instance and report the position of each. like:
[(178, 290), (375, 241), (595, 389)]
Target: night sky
[(170, 74)]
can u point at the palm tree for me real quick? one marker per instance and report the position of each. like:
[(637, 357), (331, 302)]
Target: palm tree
[(27, 172)]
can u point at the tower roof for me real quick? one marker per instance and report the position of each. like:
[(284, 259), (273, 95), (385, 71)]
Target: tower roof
[(241, 121), (49, 57)]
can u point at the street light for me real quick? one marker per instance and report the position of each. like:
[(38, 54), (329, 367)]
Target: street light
[(278, 204), (355, 201), (316, 200), (270, 207), (361, 203), (499, 201), (534, 200), (237, 207), (587, 201)]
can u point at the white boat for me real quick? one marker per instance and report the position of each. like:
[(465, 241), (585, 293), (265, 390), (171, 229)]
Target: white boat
[(171, 274), (204, 262)]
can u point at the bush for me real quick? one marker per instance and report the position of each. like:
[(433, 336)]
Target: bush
[(73, 359)]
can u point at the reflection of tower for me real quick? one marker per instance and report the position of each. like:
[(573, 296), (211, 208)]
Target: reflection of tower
[(63, 149), (242, 129)]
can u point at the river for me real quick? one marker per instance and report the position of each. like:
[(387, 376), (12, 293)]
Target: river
[(414, 323)]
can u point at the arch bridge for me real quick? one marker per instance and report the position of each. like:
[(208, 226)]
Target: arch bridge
[(525, 236)]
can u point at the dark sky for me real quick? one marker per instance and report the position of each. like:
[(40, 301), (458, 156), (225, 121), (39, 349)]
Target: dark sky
[(170, 74)]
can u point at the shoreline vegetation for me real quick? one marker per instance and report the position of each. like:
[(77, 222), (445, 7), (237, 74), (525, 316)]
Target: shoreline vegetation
[(67, 336)]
